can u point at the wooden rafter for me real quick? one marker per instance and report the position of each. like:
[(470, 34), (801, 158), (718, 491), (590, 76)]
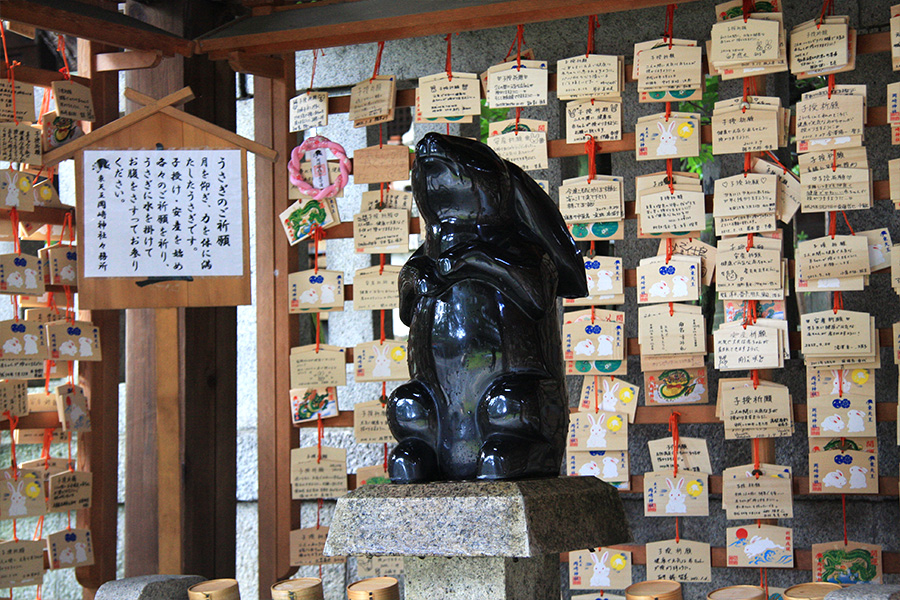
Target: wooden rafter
[(363, 21), (96, 24)]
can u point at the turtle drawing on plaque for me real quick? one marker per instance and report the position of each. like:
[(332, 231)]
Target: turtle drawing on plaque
[(487, 398)]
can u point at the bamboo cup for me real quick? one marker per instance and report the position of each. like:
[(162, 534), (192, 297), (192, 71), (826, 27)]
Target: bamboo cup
[(376, 588), (302, 588), (215, 589)]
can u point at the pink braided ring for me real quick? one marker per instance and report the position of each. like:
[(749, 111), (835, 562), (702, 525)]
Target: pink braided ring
[(296, 175)]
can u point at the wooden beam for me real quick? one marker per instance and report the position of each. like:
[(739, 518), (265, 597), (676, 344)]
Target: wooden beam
[(69, 150), (40, 77), (96, 24), (261, 66), (98, 451), (275, 335), (168, 439), (368, 21), (127, 61)]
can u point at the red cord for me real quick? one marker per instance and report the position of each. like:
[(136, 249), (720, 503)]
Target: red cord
[(670, 23), (449, 55), (671, 309), (520, 39), (676, 439), (385, 457), (318, 234), (382, 325), (677, 532), (844, 515), (318, 332), (596, 394), (15, 303), (13, 424), (590, 148), (592, 25), (671, 176), (312, 76), (71, 464), (377, 61), (670, 249), (61, 48), (749, 242), (668, 111), (593, 248), (840, 382), (518, 118), (837, 302), (749, 5), (756, 453), (747, 162), (827, 8), (850, 227), (320, 433), (319, 512), (14, 218), (754, 375)]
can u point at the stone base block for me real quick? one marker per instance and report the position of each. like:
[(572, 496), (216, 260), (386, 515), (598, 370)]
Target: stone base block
[(484, 578), (527, 518), (866, 591), (148, 587)]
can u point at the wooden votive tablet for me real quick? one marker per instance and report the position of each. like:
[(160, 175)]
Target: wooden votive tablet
[(302, 588), (215, 589), (738, 592), (658, 589), (810, 591), (375, 588)]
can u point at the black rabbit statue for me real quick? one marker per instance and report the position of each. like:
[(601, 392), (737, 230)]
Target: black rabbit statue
[(487, 399)]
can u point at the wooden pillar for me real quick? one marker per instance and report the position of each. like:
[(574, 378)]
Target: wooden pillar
[(182, 367), (275, 333), (98, 451)]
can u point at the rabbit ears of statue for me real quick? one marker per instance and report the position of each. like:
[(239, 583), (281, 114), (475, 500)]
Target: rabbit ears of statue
[(539, 220)]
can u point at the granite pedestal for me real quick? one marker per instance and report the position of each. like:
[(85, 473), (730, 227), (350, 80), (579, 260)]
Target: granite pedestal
[(486, 540)]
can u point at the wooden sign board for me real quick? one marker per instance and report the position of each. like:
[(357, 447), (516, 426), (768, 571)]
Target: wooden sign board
[(155, 289)]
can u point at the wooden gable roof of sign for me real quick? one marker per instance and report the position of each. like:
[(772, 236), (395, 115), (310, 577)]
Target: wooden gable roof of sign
[(163, 106)]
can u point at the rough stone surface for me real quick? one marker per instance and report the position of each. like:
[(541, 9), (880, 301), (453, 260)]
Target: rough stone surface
[(485, 578), (506, 518), (866, 592), (149, 587)]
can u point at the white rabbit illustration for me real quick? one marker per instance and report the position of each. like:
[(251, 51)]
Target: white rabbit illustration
[(589, 468), (675, 504), (86, 346), (12, 191), (585, 347), (327, 293), (604, 345), (667, 145), (68, 348), (876, 256), (309, 296), (660, 289), (597, 439), (858, 477), (31, 278), (81, 552), (604, 281), (67, 273), (833, 423), (12, 346), (610, 467), (609, 396), (382, 367), (600, 578), (590, 282), (76, 416), (30, 343), (759, 545), (679, 286), (840, 382), (16, 499), (66, 557), (828, 283), (835, 479), (15, 280), (856, 421)]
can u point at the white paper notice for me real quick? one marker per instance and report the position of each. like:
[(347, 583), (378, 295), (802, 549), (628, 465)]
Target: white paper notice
[(163, 213)]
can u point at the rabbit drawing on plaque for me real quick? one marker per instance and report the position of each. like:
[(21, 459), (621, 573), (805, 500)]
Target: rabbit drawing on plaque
[(30, 279), (834, 479), (660, 289), (585, 348), (604, 345), (487, 399), (858, 477), (856, 421), (841, 382), (17, 506), (81, 552), (590, 468), (597, 438), (675, 503), (679, 286), (309, 296), (31, 346), (604, 281), (66, 557), (382, 369), (833, 423), (610, 467), (600, 577), (667, 140), (327, 293), (12, 346), (610, 401)]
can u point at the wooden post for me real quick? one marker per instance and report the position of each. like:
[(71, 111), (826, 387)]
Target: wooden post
[(98, 451), (186, 360), (275, 336)]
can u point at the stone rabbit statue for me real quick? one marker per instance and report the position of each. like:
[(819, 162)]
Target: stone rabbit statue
[(487, 399)]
